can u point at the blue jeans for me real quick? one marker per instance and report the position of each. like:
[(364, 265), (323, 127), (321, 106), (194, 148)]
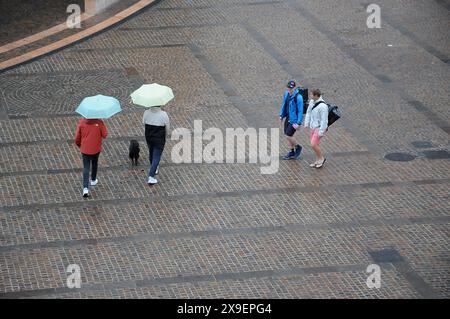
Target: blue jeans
[(154, 154), (87, 160)]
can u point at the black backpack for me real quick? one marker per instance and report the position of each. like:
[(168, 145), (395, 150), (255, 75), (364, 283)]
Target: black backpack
[(304, 94), (334, 113)]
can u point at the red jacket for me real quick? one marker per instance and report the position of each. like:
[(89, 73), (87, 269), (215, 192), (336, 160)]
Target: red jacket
[(89, 136)]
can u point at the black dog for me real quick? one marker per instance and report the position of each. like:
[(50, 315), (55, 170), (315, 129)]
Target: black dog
[(134, 152)]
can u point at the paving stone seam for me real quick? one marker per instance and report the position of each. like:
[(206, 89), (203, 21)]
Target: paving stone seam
[(191, 279), (400, 28), (443, 3), (230, 92), (416, 281), (63, 72), (385, 81), (74, 114), (289, 228), (420, 107), (236, 4), (63, 141), (127, 166), (247, 193), (403, 267), (156, 46), (244, 107), (60, 115), (184, 26), (295, 73), (75, 50), (290, 69)]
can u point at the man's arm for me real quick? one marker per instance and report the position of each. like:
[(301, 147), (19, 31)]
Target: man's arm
[(283, 106), (299, 109)]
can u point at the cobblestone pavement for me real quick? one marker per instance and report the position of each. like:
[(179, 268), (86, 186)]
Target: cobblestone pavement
[(225, 230)]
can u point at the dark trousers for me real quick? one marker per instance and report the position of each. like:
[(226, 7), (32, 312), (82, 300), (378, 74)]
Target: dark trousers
[(87, 160), (154, 154)]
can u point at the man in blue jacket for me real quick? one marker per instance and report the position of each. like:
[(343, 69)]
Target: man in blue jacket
[(292, 112)]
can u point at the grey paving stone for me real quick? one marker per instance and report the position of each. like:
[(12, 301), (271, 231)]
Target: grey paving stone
[(225, 230)]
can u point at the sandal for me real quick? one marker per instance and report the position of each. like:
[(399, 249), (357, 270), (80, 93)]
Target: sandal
[(319, 165)]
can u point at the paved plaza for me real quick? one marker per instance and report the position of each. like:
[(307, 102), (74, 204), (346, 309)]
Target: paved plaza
[(226, 230)]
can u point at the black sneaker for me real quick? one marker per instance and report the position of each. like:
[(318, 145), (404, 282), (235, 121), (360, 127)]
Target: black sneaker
[(298, 151)]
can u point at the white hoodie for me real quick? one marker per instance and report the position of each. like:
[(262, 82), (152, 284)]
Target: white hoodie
[(317, 118), (156, 117)]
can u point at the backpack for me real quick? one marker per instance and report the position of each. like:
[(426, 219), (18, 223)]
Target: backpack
[(334, 113), (304, 93)]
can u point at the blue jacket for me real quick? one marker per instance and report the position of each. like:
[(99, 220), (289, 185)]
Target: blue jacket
[(295, 110)]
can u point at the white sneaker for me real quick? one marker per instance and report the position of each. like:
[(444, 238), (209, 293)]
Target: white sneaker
[(157, 171), (152, 180), (93, 183), (85, 192), (320, 164)]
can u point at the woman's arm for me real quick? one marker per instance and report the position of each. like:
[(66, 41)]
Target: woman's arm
[(104, 130), (167, 124), (323, 119), (78, 135)]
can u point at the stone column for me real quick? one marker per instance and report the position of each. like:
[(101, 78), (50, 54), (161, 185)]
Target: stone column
[(93, 7)]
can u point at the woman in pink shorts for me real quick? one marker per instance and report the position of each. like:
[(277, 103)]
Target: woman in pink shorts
[(317, 120), (315, 138)]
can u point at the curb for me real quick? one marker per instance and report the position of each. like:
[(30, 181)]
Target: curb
[(79, 37)]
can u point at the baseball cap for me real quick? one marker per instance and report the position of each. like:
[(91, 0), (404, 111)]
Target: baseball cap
[(291, 84)]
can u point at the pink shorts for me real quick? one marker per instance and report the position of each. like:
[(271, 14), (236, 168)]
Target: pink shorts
[(315, 138)]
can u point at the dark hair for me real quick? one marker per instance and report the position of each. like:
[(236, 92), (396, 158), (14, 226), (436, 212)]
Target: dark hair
[(316, 92)]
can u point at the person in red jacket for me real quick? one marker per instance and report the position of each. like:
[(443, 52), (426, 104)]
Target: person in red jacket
[(88, 137)]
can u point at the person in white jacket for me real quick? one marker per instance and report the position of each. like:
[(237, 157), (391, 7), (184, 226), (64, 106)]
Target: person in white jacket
[(316, 120)]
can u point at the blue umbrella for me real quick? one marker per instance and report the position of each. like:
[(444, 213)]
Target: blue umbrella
[(98, 107)]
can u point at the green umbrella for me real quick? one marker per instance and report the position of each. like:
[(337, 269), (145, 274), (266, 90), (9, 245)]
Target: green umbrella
[(152, 95)]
